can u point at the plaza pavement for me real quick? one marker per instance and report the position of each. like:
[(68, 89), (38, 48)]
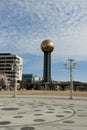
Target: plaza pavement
[(43, 113)]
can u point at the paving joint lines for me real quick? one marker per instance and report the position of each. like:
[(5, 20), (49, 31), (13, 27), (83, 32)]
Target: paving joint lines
[(39, 112)]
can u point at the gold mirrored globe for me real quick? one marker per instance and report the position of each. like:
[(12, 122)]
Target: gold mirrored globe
[(47, 46)]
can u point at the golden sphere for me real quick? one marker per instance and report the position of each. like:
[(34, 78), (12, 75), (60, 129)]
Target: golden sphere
[(47, 46)]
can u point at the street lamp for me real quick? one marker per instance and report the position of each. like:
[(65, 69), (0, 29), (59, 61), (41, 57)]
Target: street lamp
[(71, 68), (15, 67)]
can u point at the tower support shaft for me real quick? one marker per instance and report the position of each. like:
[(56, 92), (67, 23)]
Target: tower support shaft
[(47, 67)]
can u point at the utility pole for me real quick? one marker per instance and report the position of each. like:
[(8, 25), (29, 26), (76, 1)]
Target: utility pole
[(71, 68), (15, 67)]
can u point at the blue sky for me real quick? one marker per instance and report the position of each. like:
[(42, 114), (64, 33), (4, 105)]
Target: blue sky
[(24, 24)]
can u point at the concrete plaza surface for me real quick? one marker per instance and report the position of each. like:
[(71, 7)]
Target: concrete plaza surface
[(43, 113)]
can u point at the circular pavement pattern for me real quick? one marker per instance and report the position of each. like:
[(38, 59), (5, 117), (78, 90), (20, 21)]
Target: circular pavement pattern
[(17, 113), (42, 113)]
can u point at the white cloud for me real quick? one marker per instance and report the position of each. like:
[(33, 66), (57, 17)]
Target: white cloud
[(74, 45), (25, 24)]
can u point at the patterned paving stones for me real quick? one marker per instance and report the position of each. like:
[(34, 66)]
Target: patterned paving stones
[(42, 113)]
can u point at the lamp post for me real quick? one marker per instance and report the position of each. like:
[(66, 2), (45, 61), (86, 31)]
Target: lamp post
[(15, 67), (71, 68)]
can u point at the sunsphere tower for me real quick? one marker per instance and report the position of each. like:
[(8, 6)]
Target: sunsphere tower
[(47, 46)]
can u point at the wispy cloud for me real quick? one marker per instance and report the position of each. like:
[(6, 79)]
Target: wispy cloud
[(24, 24)]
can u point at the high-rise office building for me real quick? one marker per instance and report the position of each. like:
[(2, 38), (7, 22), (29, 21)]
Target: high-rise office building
[(11, 68)]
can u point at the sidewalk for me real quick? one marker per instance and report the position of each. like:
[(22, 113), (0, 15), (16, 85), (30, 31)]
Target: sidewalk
[(43, 113)]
